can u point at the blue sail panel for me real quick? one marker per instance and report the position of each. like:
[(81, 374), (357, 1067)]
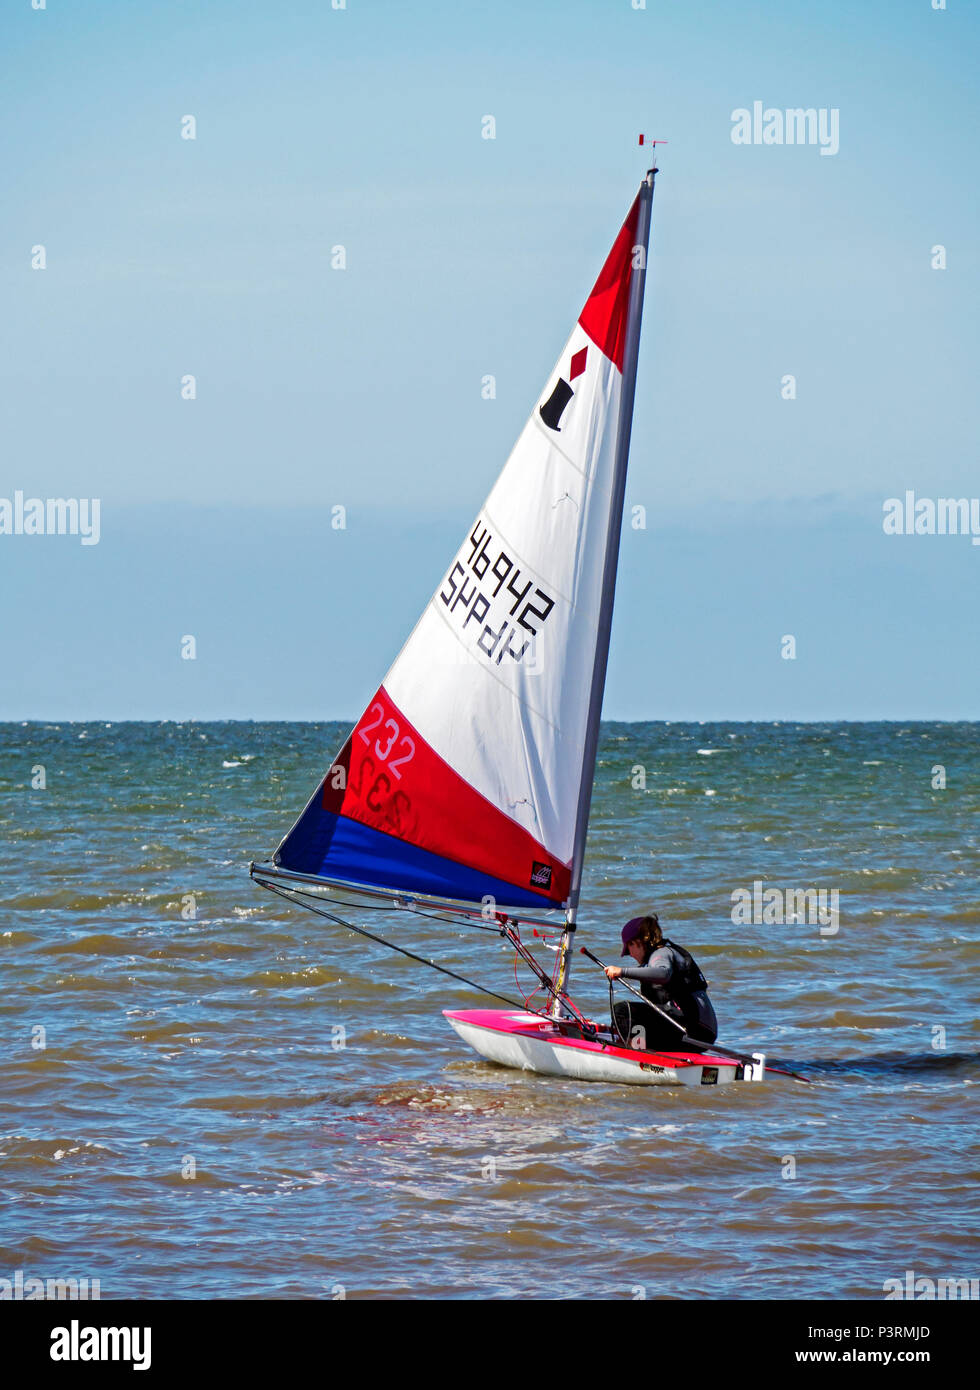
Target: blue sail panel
[(334, 846)]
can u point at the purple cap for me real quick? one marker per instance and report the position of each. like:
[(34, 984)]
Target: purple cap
[(630, 932)]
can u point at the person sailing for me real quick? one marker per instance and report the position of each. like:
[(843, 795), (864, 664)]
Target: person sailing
[(670, 978)]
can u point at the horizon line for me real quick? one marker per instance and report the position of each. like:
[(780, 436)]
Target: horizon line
[(325, 719)]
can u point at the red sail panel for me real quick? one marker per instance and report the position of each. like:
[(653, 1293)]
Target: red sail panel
[(604, 315), (389, 778)]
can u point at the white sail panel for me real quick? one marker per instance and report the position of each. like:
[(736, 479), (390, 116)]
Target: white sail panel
[(496, 676)]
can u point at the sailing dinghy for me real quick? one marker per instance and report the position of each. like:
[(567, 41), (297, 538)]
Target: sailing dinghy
[(463, 791)]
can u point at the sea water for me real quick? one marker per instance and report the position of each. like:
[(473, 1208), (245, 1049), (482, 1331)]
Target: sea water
[(209, 1092)]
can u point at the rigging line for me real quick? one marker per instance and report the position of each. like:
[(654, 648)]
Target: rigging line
[(565, 1000), (447, 919), (496, 929), (520, 950), (451, 921), (526, 997), (450, 918), (455, 921), (290, 894), (612, 1015)]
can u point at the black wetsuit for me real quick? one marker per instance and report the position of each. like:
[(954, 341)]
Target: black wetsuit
[(671, 980)]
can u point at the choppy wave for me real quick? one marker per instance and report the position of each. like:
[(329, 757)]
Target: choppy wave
[(209, 1093)]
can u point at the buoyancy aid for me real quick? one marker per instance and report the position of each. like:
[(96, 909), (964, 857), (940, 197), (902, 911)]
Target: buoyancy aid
[(685, 981)]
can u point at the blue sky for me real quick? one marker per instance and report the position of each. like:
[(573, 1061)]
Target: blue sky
[(467, 256)]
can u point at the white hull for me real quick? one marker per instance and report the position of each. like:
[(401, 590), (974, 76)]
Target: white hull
[(555, 1057)]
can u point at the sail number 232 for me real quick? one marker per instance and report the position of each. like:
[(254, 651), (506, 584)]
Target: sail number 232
[(387, 739)]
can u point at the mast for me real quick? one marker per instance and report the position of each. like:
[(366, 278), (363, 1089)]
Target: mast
[(624, 427)]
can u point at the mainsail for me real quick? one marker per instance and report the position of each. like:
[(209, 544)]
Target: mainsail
[(469, 774)]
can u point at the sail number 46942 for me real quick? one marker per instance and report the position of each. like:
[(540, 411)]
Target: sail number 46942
[(470, 603)]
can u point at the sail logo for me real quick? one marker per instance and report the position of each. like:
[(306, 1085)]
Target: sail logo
[(925, 1289), (768, 907), (540, 875), (925, 516), (796, 125), (51, 516), (554, 407)]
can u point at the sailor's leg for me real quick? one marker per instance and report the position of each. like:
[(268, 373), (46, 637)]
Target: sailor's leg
[(651, 1032), (621, 1022)]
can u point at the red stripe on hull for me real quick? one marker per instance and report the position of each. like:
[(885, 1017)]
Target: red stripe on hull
[(604, 315), (388, 777), (499, 1021)]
